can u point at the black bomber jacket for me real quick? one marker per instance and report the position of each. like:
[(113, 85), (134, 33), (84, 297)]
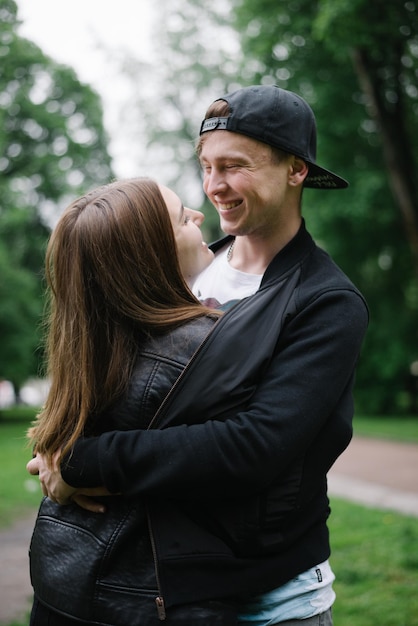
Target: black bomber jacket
[(233, 467)]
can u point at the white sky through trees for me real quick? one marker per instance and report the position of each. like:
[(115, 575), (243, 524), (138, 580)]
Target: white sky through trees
[(81, 34)]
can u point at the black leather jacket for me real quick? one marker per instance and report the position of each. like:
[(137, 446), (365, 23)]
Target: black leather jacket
[(100, 568)]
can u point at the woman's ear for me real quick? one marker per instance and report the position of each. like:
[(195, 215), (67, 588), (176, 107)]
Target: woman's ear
[(298, 171)]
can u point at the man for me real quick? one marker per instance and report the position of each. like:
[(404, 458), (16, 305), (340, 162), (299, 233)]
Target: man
[(272, 385)]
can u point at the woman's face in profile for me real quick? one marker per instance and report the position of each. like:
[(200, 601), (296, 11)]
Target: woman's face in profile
[(193, 253)]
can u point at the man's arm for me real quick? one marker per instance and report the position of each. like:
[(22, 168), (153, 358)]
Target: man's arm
[(306, 380)]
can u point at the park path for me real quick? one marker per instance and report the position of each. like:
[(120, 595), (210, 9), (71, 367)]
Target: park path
[(15, 587), (377, 473)]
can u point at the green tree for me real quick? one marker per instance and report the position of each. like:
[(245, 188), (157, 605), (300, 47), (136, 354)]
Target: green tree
[(384, 50), (356, 63), (53, 147)]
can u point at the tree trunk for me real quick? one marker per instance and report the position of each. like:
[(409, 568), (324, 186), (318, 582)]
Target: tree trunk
[(396, 151)]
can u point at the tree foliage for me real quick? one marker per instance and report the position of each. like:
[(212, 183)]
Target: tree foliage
[(356, 62), (52, 148)]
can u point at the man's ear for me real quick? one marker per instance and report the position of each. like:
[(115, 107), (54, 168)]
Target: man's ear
[(298, 171)]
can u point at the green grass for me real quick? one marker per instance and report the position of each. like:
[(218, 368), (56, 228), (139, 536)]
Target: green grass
[(395, 428), (18, 490), (375, 560), (17, 413), (18, 623)]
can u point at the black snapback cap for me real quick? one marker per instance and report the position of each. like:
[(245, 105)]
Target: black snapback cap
[(281, 119)]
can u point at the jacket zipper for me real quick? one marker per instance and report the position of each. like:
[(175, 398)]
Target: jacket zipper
[(155, 420), (159, 600)]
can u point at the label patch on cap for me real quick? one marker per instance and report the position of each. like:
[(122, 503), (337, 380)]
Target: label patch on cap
[(214, 123)]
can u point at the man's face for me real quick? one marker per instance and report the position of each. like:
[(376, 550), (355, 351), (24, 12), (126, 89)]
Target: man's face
[(245, 182)]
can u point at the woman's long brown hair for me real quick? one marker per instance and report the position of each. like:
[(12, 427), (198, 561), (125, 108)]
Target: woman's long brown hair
[(113, 276)]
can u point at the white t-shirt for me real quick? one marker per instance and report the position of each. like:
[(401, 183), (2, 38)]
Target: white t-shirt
[(220, 286)]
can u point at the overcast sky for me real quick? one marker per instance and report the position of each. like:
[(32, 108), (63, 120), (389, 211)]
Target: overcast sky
[(75, 33)]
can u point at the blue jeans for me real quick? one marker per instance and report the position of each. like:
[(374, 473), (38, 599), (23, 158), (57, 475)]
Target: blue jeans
[(324, 619)]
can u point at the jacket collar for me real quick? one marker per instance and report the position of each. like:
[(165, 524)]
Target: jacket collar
[(292, 254)]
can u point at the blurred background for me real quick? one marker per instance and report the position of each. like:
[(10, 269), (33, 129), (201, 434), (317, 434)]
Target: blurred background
[(90, 91)]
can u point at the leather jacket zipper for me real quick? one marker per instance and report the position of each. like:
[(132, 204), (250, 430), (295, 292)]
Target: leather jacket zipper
[(159, 600), (155, 420)]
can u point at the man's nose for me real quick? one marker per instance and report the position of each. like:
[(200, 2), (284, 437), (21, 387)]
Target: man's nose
[(214, 182)]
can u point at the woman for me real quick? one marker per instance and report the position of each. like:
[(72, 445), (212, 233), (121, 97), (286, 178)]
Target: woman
[(122, 326)]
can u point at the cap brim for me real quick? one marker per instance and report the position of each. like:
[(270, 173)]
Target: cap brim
[(320, 178)]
